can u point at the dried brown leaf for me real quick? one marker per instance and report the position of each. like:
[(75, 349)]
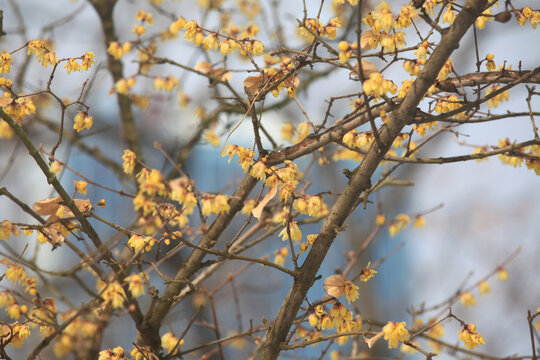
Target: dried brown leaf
[(257, 212), (335, 285), (252, 83), (48, 206)]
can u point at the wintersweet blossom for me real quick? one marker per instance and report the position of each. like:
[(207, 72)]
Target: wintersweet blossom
[(470, 337), (394, 333)]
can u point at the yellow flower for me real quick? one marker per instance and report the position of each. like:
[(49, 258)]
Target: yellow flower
[(257, 48), (281, 256), (287, 131), (117, 50), (137, 242), (80, 186), (115, 354), (153, 184), (527, 12), (419, 221), (481, 21), (177, 25), (71, 65), (490, 64), (167, 84), (470, 337), (191, 30), (15, 274), (212, 138), (293, 229), (483, 288), (393, 229), (122, 86), (446, 70), (36, 47), (394, 333), (227, 46), (258, 170), (88, 60), (210, 42), (406, 13), (143, 16), (502, 274), (313, 320), (171, 342), (114, 294), (494, 101), (367, 273), (449, 15), (48, 58), (351, 291), (128, 161), (20, 333), (380, 219), (221, 204), (7, 228), (383, 17), (302, 131), (467, 299), (138, 30), (136, 285), (55, 167), (5, 62), (82, 121), (245, 155)]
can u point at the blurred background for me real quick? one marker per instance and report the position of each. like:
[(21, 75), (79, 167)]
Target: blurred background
[(490, 210)]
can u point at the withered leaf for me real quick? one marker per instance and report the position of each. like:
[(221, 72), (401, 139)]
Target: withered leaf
[(335, 285)]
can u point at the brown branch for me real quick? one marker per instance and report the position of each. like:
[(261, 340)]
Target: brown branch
[(104, 9), (360, 179), (148, 330)]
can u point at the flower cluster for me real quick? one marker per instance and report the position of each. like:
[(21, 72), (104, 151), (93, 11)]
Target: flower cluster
[(245, 156), (529, 14), (57, 229), (311, 205), (168, 83), (39, 49), (394, 333), (19, 108), (399, 223), (470, 337), (314, 26), (291, 231), (377, 86), (338, 285), (118, 50), (5, 62), (87, 61), (497, 99), (338, 317), (171, 342), (215, 204), (82, 121), (235, 38), (6, 229), (355, 140)]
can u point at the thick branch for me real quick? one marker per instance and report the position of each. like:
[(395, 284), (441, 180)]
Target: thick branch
[(104, 9), (361, 179), (159, 308)]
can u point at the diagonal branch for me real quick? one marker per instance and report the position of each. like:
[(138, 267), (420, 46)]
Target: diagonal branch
[(361, 178), (159, 308)]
